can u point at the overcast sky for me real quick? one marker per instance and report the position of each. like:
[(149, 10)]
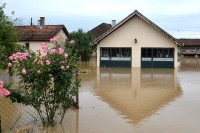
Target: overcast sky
[(177, 17)]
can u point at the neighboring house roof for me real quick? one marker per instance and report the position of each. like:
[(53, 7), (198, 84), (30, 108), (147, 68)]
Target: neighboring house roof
[(35, 33), (100, 29), (190, 42), (96, 41)]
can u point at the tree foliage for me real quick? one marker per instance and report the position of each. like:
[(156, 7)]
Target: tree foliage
[(83, 43), (8, 38)]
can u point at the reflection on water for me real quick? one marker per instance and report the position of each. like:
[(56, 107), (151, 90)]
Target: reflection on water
[(190, 63), (137, 93)]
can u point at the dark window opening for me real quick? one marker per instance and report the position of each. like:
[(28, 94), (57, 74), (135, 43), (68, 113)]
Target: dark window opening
[(115, 52), (27, 45), (105, 52), (157, 52)]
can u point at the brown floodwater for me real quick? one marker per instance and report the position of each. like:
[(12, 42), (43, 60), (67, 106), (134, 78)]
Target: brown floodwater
[(132, 100)]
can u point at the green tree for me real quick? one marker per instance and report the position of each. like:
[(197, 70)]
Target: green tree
[(83, 43), (8, 39)]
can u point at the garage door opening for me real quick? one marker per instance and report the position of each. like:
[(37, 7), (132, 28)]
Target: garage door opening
[(157, 57), (115, 57)]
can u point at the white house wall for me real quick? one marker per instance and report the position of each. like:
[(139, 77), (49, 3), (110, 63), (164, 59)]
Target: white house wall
[(35, 45), (146, 35), (62, 38)]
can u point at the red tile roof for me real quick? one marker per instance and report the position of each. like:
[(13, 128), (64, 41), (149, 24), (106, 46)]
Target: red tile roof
[(100, 29), (35, 33), (190, 42)]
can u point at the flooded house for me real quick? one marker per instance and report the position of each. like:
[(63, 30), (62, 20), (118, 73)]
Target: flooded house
[(33, 35), (136, 42), (190, 47)]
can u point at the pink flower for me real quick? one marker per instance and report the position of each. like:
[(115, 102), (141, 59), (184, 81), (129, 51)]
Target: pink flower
[(43, 43), (10, 57), (53, 51), (18, 53), (22, 57), (62, 67), (25, 54), (51, 40), (9, 64), (60, 51), (44, 50), (72, 42), (15, 56), (38, 72), (23, 71), (55, 38), (4, 92), (66, 56), (44, 47), (48, 62)]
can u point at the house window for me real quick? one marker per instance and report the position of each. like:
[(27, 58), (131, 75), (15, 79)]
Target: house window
[(117, 54), (158, 52), (146, 52), (27, 45), (105, 52), (121, 52)]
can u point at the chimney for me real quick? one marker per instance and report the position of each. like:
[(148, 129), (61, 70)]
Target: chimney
[(31, 21), (113, 23), (42, 22), (39, 23)]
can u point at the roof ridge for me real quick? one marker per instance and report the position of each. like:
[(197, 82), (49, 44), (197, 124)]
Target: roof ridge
[(135, 12), (41, 34)]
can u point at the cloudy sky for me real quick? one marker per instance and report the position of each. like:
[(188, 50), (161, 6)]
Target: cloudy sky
[(177, 17)]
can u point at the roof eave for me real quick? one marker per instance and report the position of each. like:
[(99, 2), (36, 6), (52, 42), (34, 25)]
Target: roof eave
[(96, 41)]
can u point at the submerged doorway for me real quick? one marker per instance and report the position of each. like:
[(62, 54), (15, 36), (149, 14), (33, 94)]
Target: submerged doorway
[(115, 57), (157, 57)]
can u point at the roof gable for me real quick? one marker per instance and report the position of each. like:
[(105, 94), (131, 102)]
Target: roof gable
[(96, 41), (35, 33)]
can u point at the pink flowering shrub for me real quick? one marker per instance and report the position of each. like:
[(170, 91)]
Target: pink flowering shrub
[(47, 81), (3, 91)]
